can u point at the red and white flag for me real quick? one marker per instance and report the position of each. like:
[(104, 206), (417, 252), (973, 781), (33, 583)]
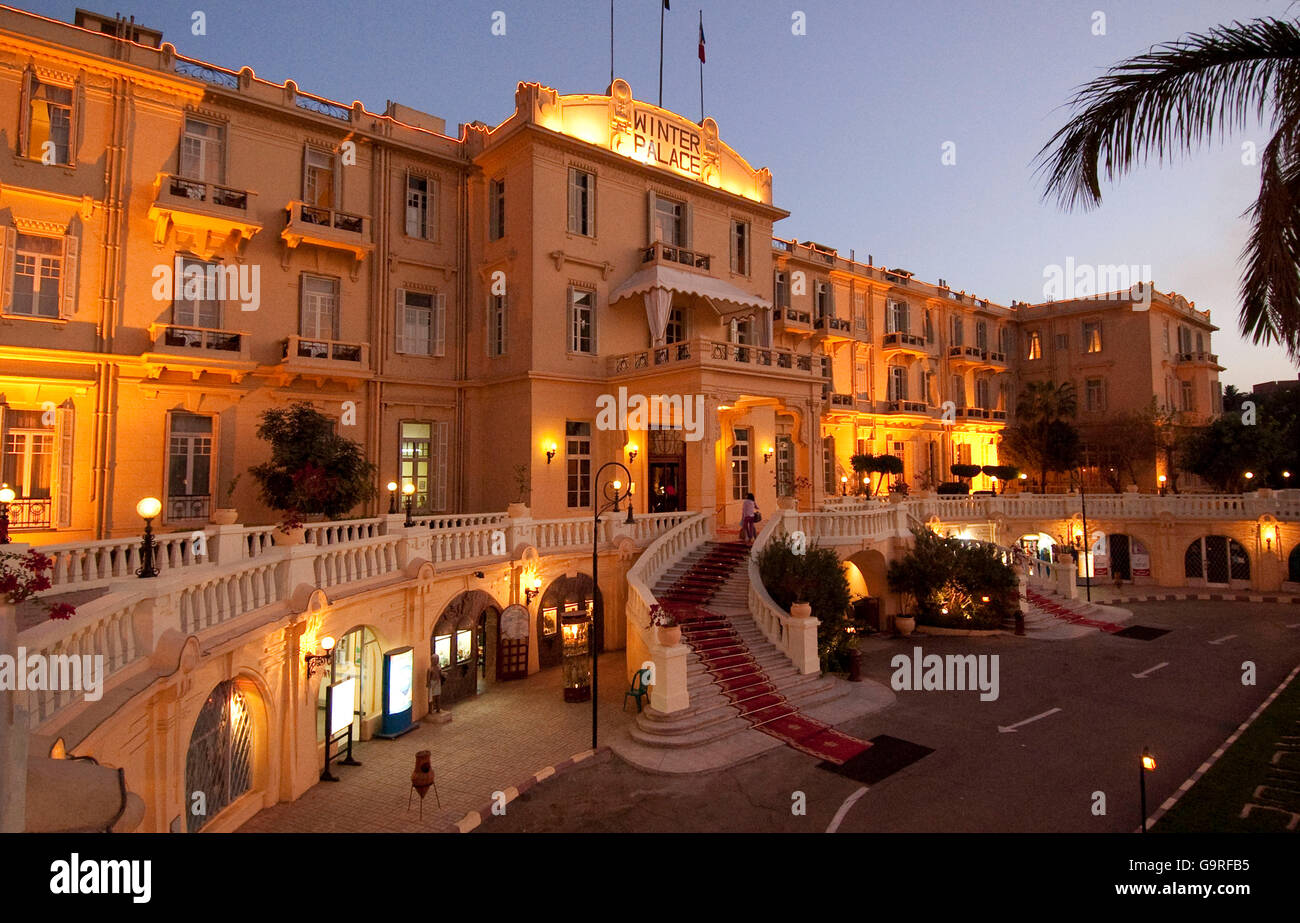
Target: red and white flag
[(701, 38)]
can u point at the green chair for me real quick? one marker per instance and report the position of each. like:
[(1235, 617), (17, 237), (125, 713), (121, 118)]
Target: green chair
[(638, 690)]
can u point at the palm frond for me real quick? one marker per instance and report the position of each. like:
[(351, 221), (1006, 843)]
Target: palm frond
[(1270, 287)]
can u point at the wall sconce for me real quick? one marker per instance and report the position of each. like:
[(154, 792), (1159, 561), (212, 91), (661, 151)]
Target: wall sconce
[(409, 490), (392, 496), (1250, 475), (844, 485), (767, 455), (631, 452), (1270, 533), (551, 449), (148, 508), (533, 589), (6, 497), (318, 662)]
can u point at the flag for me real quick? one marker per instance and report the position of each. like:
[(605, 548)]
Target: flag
[(701, 40), (666, 6)]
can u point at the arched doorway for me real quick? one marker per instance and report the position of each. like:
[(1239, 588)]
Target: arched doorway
[(356, 655), (868, 586), (565, 594), (1128, 557), (221, 761), (1216, 560), (461, 642), (1293, 565)]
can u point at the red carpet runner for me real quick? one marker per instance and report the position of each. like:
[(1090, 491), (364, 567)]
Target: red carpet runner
[(729, 661), (1056, 610)]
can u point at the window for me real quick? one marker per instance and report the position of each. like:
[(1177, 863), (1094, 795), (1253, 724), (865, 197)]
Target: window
[(896, 320), (981, 336), (1035, 350), (982, 393), (928, 388), (825, 301), (957, 332), (897, 383), (496, 209), (1062, 342), (784, 465), (422, 456), (496, 323), (203, 151), (961, 454), (320, 308), (1166, 337), (420, 214), (959, 390), (577, 458), (318, 178), (1200, 342), (740, 247), (28, 455), (739, 463), (829, 484), (49, 122), (219, 761), (1004, 340), (582, 202), (675, 330), (781, 289), (421, 323), (929, 326), (38, 274), (1095, 395), (1188, 402), (1092, 336), (582, 321), (1184, 340), (670, 222), (189, 466), (194, 301)]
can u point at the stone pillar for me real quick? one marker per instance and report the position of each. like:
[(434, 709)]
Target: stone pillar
[(226, 544), (669, 693), (802, 644)]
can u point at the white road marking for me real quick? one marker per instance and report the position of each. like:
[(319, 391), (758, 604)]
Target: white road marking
[(1010, 729), (844, 809), (1224, 638), (1145, 673), (1296, 625)]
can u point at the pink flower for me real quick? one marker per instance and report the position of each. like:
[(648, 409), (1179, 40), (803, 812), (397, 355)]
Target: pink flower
[(62, 611)]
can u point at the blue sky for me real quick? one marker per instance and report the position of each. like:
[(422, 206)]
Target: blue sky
[(851, 117)]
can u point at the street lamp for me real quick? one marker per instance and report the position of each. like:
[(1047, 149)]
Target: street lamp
[(409, 490), (844, 485), (147, 509), (615, 493), (1162, 479), (392, 497), (6, 497), (1148, 765)]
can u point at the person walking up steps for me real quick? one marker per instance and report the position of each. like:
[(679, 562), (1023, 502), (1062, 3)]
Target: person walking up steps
[(748, 516)]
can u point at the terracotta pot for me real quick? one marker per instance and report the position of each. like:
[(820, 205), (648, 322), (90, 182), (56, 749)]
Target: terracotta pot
[(225, 517), (294, 536), (801, 610), (422, 775), (904, 625), (517, 510), (669, 637)]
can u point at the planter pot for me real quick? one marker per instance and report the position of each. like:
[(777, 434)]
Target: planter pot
[(669, 637), (225, 517), (787, 503), (294, 536), (517, 510), (904, 625), (422, 775), (801, 610)]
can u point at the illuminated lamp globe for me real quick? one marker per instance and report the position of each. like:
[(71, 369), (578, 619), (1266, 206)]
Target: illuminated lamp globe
[(7, 494), (408, 489), (327, 643), (149, 507)]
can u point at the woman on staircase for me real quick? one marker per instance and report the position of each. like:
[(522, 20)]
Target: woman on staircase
[(748, 516)]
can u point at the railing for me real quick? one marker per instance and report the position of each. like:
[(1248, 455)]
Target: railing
[(188, 508), (798, 317), (794, 637), (841, 400), (299, 347), (710, 351), (220, 597), (659, 252), (363, 560), (88, 565), (906, 407), (897, 340), (204, 338), (468, 543), (833, 323), (966, 353), (323, 106), (208, 73), (30, 513), (341, 532), (195, 190), (1198, 357), (563, 534)]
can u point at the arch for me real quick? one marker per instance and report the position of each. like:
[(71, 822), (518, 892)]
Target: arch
[(1216, 560), (454, 642), (226, 760), (357, 653), (1293, 565), (566, 593)]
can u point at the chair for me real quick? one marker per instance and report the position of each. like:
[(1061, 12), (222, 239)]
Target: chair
[(638, 689)]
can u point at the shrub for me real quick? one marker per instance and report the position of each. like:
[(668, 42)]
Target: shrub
[(948, 581), (815, 577), (952, 487), (965, 471)]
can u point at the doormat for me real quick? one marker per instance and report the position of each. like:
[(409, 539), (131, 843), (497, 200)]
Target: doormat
[(1141, 632), (886, 756)]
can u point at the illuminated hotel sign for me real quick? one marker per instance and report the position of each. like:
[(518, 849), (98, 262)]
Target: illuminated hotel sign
[(667, 143)]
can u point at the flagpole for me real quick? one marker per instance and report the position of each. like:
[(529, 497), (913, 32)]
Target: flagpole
[(611, 42), (661, 54), (701, 70)]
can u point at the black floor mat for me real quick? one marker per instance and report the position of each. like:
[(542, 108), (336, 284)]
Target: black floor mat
[(885, 757), (1142, 632)]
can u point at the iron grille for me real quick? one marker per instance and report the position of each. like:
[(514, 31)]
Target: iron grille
[(219, 761)]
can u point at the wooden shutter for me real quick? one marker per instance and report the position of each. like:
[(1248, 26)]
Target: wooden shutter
[(439, 336), (75, 132), (651, 208), (505, 317), (8, 245), (400, 330), (735, 248), (575, 204), (64, 423), (68, 296), (25, 112), (688, 223), (438, 499)]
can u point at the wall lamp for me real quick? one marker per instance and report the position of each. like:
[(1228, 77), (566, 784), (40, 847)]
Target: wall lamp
[(6, 497), (767, 455), (148, 508), (550, 452), (318, 662), (533, 590), (631, 452), (392, 496)]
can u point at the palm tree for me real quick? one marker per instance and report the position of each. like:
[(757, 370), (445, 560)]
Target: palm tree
[(1172, 99), (1044, 402)]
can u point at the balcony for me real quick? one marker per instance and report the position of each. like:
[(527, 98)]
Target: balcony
[(788, 320), (906, 343), (994, 360), (188, 509), (677, 256), (974, 413), (320, 360), (966, 356), (203, 215), (997, 415), (198, 349), (30, 513), (713, 354), (918, 408), (1198, 358), (326, 227), (832, 329)]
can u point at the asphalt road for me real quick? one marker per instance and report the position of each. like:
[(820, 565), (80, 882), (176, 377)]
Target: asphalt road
[(1042, 776)]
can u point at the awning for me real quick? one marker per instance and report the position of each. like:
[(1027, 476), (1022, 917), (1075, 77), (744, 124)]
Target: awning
[(656, 283)]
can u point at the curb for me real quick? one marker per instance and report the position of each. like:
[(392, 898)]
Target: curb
[(1223, 748), (474, 818), (1216, 597)]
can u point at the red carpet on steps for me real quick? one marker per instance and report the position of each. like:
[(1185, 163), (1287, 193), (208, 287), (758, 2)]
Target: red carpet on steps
[(727, 658), (1056, 610)]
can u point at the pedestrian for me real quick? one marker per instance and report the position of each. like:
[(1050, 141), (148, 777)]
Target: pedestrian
[(748, 516), (433, 681)]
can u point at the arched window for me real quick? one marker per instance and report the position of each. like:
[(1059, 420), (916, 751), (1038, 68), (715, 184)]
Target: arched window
[(219, 762), (1217, 559)]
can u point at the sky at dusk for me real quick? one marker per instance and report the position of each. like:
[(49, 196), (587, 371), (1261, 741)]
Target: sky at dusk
[(851, 117)]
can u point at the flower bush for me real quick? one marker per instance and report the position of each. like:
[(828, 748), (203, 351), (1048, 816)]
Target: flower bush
[(22, 576), (661, 617), (955, 584)]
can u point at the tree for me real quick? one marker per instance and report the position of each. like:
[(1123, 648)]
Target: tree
[(313, 470), (885, 465), (1003, 473), (1120, 443), (1172, 99), (1043, 439), (954, 583), (815, 577), (1044, 401), (862, 466), (1227, 448)]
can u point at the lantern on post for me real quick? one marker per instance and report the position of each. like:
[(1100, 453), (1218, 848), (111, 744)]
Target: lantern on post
[(575, 628)]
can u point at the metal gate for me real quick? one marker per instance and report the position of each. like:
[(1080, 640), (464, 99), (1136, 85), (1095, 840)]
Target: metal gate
[(1121, 567), (219, 761)]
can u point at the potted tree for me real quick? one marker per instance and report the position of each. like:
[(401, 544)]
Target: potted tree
[(667, 631), (519, 508), (227, 515), (313, 472), (862, 466)]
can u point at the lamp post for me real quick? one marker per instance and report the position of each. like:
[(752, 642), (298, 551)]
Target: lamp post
[(1085, 552), (844, 485), (408, 489), (1148, 764), (392, 497), (147, 509), (6, 497), (614, 492), (1162, 479)]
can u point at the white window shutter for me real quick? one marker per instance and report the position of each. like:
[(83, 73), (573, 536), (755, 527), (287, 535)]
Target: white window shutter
[(25, 113), (688, 222), (400, 329), (439, 334), (575, 203), (735, 248), (64, 421), (68, 295), (439, 498), (651, 208), (10, 243)]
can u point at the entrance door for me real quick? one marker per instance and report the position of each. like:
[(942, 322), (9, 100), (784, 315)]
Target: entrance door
[(1216, 559), (666, 488), (1120, 560)]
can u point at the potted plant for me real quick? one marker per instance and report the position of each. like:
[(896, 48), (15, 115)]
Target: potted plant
[(313, 472), (227, 515), (904, 624), (522, 491), (667, 631), (862, 465)]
